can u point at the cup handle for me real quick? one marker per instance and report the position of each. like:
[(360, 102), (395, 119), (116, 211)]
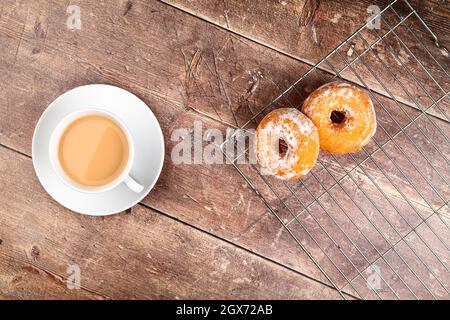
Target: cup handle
[(133, 184)]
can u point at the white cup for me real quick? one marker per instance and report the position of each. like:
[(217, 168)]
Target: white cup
[(124, 177)]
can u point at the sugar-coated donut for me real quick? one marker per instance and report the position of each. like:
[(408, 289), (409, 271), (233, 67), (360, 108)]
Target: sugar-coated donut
[(297, 133), (344, 116)]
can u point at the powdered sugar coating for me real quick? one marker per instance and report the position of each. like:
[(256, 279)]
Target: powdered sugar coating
[(359, 125), (300, 136)]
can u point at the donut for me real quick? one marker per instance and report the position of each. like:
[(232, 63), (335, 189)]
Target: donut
[(286, 144), (344, 116)]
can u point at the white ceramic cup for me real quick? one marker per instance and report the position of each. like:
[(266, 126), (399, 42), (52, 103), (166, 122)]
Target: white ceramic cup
[(124, 177)]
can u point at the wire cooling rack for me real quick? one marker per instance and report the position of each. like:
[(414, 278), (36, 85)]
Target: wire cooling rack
[(375, 223)]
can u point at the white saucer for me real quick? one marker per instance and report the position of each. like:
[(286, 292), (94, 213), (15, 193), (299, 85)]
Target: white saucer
[(147, 137)]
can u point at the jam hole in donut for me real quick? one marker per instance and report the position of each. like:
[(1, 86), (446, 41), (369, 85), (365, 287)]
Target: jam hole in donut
[(337, 117), (282, 147)]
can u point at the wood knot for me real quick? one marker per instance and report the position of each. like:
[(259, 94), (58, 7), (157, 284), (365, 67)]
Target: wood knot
[(35, 252)]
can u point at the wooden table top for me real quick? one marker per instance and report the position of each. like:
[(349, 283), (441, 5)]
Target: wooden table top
[(202, 232)]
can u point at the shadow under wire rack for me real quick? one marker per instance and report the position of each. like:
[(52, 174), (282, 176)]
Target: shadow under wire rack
[(375, 223)]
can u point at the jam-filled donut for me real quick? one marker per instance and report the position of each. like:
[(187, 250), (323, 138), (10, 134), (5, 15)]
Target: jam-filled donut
[(344, 116), (286, 144)]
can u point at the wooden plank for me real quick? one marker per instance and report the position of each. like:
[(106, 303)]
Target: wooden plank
[(130, 52), (141, 254), (318, 25), (308, 30), (23, 280)]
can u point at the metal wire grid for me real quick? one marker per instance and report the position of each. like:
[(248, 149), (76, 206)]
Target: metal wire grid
[(374, 223)]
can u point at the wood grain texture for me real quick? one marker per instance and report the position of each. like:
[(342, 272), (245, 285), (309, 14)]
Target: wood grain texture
[(308, 30), (212, 210), (140, 255), (318, 25), (178, 65)]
